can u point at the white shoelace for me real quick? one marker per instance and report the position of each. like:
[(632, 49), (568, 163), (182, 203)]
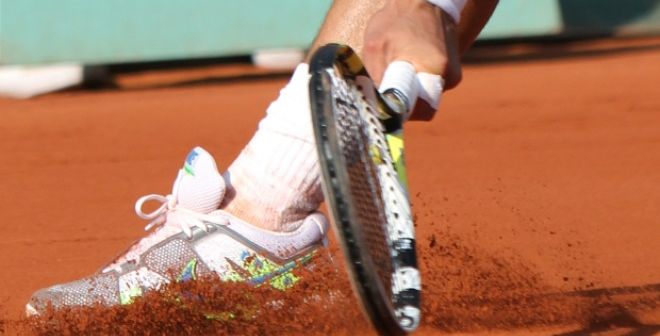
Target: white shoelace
[(168, 216)]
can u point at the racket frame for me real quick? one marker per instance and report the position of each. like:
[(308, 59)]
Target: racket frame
[(363, 273)]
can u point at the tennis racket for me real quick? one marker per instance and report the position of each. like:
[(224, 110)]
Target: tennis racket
[(359, 139)]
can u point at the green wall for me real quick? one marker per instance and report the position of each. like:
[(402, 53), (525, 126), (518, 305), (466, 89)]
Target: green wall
[(93, 31), (115, 31)]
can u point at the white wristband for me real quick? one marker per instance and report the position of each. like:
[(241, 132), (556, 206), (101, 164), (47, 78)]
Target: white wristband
[(451, 7)]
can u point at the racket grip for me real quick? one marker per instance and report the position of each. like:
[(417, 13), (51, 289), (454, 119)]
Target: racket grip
[(402, 85)]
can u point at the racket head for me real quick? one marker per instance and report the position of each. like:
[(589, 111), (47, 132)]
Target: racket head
[(370, 211)]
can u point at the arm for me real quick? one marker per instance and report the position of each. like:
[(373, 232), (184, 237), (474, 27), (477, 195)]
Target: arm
[(475, 16), (382, 31)]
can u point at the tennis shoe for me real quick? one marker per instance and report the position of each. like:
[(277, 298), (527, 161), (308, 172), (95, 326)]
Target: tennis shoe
[(190, 237)]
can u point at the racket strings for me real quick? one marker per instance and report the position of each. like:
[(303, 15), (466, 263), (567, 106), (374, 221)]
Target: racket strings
[(390, 237), (358, 143)]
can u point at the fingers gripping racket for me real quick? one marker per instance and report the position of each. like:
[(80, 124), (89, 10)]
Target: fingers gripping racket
[(358, 133)]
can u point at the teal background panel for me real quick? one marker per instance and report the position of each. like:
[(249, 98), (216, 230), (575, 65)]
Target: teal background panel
[(118, 31), (524, 18), (98, 31), (610, 17)]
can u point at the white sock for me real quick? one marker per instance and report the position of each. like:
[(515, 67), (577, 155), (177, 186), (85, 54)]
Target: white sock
[(275, 181)]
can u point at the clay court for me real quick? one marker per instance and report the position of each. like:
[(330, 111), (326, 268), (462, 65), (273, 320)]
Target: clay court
[(536, 188)]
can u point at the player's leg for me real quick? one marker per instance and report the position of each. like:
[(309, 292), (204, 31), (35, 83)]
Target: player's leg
[(275, 181)]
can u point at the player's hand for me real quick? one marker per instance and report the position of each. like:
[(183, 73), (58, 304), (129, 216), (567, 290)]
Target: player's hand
[(414, 31)]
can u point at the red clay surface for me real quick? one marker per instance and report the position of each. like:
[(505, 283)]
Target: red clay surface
[(537, 191)]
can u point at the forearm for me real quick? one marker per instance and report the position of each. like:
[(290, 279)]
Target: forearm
[(473, 19), (345, 23), (347, 19)]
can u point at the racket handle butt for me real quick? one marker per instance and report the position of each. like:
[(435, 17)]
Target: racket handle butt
[(400, 85), (403, 86)]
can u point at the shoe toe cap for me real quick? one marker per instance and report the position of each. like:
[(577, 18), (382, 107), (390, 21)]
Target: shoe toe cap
[(99, 289)]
